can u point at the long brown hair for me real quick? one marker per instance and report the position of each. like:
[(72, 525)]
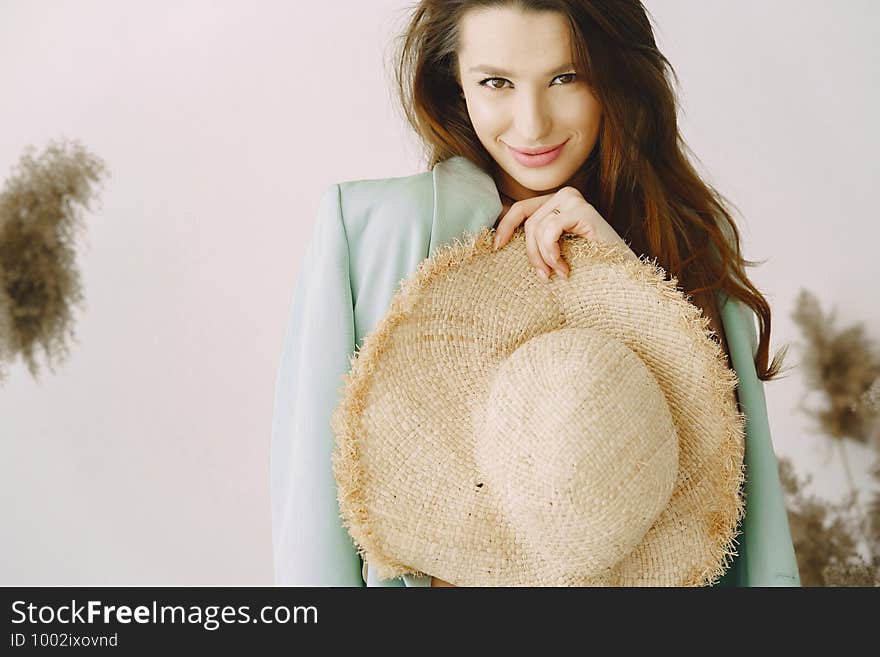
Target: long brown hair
[(637, 177)]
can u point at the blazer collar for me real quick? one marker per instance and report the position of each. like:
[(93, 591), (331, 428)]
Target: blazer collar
[(465, 199)]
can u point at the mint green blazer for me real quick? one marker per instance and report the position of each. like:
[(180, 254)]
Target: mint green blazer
[(369, 235)]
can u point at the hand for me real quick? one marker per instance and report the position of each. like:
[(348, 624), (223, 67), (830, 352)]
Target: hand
[(544, 227)]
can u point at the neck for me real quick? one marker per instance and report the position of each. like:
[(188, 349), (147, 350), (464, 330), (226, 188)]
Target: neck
[(506, 198)]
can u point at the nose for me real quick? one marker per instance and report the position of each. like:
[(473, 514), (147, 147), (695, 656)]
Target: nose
[(532, 117)]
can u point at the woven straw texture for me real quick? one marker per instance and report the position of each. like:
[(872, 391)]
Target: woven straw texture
[(498, 430)]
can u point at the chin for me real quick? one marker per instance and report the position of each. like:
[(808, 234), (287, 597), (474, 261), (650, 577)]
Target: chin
[(539, 178)]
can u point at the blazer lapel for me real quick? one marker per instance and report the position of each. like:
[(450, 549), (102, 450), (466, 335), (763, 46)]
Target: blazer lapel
[(465, 199)]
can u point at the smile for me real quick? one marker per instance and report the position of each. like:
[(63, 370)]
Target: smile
[(539, 159)]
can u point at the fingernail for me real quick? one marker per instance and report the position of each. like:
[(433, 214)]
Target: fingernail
[(562, 273), (495, 243), (543, 274)]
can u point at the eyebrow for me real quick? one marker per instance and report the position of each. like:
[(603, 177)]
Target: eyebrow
[(491, 70)]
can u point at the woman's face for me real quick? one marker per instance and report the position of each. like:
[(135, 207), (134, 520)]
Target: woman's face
[(517, 75)]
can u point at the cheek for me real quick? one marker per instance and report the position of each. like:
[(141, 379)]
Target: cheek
[(591, 114), (582, 112), (484, 116)]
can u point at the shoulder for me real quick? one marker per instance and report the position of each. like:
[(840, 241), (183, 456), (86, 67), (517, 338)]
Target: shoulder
[(381, 204), (403, 209)]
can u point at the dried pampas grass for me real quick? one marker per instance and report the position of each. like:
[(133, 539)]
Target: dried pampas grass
[(39, 223), (842, 366), (824, 536)]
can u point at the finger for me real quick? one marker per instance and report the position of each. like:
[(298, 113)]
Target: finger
[(534, 254), (518, 213), (548, 245), (538, 216)]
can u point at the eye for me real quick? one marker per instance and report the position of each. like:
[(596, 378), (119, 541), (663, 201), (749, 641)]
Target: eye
[(573, 76), (484, 83)]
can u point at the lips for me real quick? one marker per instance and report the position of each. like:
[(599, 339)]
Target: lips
[(536, 151), (539, 157)]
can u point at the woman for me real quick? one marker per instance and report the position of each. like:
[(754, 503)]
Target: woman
[(556, 116)]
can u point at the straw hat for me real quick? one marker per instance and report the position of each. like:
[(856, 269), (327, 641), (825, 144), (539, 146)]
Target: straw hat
[(499, 430)]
